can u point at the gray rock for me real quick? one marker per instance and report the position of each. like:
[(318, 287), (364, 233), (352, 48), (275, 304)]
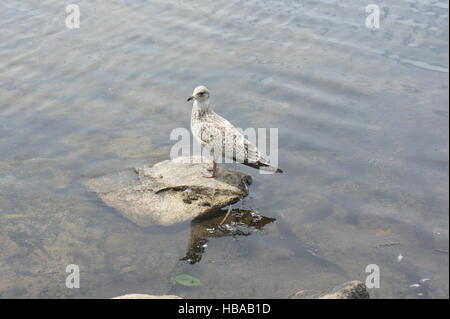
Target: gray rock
[(349, 290), (144, 296), (170, 192)]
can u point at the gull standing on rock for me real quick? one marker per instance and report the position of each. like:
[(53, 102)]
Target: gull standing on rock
[(221, 137)]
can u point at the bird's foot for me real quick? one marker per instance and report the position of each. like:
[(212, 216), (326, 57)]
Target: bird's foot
[(212, 169), (209, 175)]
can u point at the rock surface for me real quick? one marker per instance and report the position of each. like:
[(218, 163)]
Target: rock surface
[(349, 290), (143, 296), (170, 192)]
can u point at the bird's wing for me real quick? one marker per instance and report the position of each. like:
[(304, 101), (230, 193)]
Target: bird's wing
[(226, 140)]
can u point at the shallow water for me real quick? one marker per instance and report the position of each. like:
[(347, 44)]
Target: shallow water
[(363, 138)]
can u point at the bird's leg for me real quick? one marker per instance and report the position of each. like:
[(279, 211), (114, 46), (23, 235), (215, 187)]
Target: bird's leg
[(212, 169)]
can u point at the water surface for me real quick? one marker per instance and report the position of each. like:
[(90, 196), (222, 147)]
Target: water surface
[(363, 138)]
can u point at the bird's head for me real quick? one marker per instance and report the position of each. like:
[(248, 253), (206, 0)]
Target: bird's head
[(200, 94)]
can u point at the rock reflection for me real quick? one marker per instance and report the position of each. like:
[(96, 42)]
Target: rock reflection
[(222, 223)]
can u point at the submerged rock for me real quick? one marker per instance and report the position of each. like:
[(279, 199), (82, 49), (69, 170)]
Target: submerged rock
[(350, 290), (144, 296), (170, 192), (222, 223)]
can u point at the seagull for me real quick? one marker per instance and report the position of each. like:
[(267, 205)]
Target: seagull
[(220, 137)]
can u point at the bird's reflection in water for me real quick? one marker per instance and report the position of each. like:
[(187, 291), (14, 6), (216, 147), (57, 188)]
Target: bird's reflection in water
[(222, 223)]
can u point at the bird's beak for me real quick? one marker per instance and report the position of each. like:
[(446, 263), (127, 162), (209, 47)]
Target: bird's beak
[(190, 99)]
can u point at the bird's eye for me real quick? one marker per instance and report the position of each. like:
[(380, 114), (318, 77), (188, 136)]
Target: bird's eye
[(201, 93)]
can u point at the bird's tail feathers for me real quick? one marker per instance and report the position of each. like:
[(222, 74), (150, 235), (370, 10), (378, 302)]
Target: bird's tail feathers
[(263, 166)]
